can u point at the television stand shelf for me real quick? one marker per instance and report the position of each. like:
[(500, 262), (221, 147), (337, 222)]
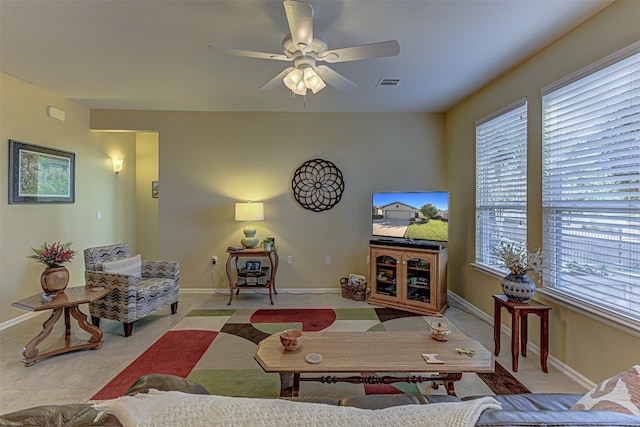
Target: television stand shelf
[(409, 278)]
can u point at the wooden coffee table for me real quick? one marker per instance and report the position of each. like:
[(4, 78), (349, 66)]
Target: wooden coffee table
[(372, 352), (66, 302)]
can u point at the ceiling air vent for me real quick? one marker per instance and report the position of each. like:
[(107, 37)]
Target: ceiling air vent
[(388, 82)]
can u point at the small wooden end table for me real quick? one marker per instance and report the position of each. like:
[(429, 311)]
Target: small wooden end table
[(66, 302), (232, 264), (519, 312)]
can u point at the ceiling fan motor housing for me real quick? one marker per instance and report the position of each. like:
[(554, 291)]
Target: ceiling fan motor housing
[(289, 48)]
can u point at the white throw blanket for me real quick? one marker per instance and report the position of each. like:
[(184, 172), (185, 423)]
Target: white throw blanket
[(173, 408)]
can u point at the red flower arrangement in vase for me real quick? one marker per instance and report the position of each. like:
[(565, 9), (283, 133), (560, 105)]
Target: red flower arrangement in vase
[(55, 277)]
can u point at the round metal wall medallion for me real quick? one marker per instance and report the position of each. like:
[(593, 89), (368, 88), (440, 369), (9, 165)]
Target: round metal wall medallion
[(317, 185)]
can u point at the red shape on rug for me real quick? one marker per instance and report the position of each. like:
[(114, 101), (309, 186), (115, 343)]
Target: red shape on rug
[(312, 319), (175, 353), (379, 388)]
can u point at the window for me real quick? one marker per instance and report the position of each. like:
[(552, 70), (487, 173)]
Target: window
[(591, 187), (501, 181)]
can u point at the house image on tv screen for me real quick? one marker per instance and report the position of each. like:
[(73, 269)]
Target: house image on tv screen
[(414, 216), (399, 211)]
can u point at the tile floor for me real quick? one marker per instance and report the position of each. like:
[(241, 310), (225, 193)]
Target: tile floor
[(77, 376)]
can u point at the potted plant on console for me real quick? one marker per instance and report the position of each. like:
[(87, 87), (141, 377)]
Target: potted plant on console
[(55, 277), (517, 286), (268, 245)]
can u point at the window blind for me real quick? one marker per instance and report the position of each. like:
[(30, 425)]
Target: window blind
[(501, 180), (591, 185)]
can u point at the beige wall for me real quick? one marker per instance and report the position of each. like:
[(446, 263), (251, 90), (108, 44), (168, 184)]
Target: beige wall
[(22, 226), (147, 206), (574, 339), (209, 161)]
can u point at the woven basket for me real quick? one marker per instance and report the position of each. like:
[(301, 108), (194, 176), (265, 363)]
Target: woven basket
[(353, 292)]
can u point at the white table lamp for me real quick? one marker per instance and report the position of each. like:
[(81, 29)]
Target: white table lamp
[(249, 212)]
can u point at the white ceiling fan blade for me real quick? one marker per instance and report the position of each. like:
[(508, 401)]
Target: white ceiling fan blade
[(276, 81), (300, 18), (247, 53), (335, 79), (365, 51)]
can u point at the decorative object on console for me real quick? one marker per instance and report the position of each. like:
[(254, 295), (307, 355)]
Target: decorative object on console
[(55, 278), (317, 185), (249, 212), (440, 331), (517, 286), (269, 244), (291, 339), (40, 174)]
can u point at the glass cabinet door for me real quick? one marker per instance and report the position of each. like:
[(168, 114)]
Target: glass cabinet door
[(386, 274), (419, 280)]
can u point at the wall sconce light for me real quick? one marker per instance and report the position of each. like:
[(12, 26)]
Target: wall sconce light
[(117, 165), (249, 212)]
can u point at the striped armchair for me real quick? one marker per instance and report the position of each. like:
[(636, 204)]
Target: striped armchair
[(153, 287)]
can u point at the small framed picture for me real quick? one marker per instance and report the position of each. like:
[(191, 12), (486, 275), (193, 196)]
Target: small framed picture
[(155, 189)]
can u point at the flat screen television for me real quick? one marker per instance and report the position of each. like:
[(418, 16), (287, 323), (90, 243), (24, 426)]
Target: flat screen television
[(411, 216)]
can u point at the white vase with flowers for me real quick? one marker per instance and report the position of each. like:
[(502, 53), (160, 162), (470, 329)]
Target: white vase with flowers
[(517, 286)]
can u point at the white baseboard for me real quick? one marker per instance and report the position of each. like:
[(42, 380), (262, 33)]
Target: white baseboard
[(19, 319), (225, 291), (565, 369)]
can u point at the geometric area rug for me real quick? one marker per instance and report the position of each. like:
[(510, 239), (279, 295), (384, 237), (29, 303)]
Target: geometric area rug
[(216, 348)]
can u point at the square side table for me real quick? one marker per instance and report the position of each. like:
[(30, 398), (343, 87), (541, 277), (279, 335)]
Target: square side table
[(519, 312)]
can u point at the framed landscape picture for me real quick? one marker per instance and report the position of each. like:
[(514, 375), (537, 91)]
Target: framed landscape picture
[(40, 174)]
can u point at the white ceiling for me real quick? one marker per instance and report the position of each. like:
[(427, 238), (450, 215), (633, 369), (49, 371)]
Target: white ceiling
[(152, 54)]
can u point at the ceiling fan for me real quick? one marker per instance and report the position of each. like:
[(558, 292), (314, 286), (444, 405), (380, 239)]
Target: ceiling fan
[(305, 50)]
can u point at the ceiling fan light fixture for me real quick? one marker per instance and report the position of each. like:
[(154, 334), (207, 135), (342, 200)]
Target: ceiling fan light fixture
[(318, 87), (299, 80), (292, 79), (313, 81), (300, 89)]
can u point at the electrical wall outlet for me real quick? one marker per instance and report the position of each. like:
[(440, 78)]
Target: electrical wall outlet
[(214, 259)]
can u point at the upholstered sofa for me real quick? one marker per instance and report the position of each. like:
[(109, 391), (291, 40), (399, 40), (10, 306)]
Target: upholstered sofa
[(549, 409), (139, 287)]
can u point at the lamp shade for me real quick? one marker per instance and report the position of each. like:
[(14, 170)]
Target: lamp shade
[(249, 211), (117, 165)]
